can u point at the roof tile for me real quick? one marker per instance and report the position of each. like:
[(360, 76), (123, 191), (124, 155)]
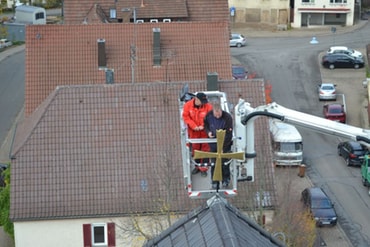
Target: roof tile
[(99, 150), (63, 54)]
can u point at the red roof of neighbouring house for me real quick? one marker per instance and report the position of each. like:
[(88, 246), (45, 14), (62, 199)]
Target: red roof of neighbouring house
[(77, 12), (63, 54)]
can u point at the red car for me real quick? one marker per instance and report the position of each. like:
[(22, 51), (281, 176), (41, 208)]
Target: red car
[(335, 112)]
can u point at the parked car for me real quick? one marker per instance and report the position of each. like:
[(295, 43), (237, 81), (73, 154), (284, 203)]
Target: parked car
[(352, 152), (335, 112), (237, 40), (344, 50), (327, 91), (239, 72), (5, 43), (333, 61), (320, 206), (3, 167)]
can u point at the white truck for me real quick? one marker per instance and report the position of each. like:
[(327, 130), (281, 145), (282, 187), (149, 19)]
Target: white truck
[(287, 144), (244, 117)]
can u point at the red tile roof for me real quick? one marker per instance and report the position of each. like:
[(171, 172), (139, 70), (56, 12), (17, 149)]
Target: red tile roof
[(110, 150), (76, 12), (68, 54)]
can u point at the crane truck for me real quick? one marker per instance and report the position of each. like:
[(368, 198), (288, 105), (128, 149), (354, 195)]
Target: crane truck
[(243, 139)]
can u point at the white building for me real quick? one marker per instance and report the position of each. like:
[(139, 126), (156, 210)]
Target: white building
[(308, 13), (297, 13)]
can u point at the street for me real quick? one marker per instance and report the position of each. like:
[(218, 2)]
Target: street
[(291, 65)]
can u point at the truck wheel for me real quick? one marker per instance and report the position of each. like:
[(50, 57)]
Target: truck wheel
[(339, 152), (363, 181)]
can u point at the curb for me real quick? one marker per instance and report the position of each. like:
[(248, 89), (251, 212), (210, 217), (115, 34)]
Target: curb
[(11, 51)]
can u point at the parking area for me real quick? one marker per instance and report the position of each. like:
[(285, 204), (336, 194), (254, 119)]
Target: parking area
[(349, 83)]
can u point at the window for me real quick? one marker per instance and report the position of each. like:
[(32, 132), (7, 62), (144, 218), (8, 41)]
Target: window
[(99, 235), (308, 1), (338, 1), (39, 15), (113, 13)]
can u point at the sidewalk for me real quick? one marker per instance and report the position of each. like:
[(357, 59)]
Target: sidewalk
[(257, 30)]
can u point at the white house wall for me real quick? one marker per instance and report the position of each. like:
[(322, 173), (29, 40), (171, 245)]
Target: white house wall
[(69, 232), (62, 233), (322, 6)]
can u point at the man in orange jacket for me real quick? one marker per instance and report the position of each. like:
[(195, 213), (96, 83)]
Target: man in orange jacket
[(193, 114)]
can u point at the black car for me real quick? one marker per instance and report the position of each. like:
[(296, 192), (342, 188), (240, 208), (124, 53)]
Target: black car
[(320, 206), (332, 61), (352, 152)]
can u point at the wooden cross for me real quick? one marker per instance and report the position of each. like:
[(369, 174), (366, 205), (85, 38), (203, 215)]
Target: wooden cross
[(220, 135)]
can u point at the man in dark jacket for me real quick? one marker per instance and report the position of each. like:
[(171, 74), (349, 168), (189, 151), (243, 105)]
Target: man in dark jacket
[(217, 119)]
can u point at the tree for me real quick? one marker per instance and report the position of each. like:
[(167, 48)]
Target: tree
[(5, 204), (291, 218)]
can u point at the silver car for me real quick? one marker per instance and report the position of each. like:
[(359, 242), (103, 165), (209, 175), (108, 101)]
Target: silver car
[(237, 40), (327, 91)]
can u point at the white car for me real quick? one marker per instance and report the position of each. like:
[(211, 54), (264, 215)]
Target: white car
[(5, 43), (344, 50), (237, 40)]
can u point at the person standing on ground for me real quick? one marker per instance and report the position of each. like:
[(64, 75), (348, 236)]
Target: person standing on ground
[(194, 112), (217, 119)]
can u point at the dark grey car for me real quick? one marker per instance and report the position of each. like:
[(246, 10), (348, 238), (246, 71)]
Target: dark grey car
[(352, 152), (333, 61), (320, 206)]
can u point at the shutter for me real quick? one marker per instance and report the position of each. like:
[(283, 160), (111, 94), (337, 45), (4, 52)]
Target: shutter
[(111, 235), (87, 235)]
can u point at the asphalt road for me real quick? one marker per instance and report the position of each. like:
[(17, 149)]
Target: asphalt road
[(291, 65), (11, 91)]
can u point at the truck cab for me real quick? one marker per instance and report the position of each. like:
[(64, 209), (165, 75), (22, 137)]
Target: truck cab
[(286, 143), (365, 172)]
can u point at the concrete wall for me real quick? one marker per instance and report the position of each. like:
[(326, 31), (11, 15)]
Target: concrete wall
[(16, 31), (265, 11)]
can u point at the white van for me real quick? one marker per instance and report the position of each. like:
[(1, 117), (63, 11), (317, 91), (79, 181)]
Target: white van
[(286, 143)]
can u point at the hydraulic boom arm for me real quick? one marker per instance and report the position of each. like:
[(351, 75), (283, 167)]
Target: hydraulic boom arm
[(308, 121)]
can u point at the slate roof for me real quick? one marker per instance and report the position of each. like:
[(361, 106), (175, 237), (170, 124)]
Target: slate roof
[(216, 223), (108, 150), (68, 54), (77, 12)]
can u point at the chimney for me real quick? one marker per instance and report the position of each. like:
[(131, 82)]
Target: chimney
[(102, 61), (212, 81), (156, 46)]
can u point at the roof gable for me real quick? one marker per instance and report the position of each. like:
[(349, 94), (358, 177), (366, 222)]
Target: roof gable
[(216, 224)]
